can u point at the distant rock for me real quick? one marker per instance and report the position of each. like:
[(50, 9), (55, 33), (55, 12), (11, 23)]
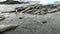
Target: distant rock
[(43, 9), (13, 2)]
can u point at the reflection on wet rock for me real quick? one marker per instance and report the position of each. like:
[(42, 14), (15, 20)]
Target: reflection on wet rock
[(4, 28)]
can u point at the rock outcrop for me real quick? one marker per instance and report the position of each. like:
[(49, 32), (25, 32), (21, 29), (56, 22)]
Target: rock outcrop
[(34, 19)]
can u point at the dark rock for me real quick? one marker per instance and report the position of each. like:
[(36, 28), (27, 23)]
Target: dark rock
[(13, 2), (44, 21), (2, 17), (21, 17)]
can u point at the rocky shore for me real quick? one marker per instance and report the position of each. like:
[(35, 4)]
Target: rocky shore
[(33, 19)]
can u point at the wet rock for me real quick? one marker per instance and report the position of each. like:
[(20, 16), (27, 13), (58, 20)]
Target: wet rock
[(52, 10), (2, 17), (13, 2), (44, 21), (5, 28), (21, 17)]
